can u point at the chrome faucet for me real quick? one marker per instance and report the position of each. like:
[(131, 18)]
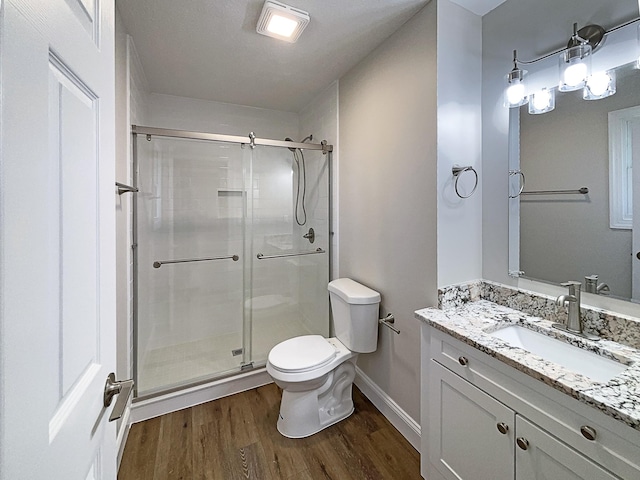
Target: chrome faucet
[(574, 317), (591, 285)]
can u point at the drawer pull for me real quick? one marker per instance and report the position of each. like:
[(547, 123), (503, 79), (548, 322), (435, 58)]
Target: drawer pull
[(503, 428), (588, 432), (523, 443), (463, 361)]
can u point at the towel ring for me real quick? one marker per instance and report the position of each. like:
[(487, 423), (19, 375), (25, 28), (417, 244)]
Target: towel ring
[(457, 173), (517, 172)]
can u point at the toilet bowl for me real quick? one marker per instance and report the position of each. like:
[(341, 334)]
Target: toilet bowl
[(316, 373)]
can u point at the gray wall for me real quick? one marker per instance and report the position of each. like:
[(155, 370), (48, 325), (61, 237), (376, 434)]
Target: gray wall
[(387, 185), (533, 28)]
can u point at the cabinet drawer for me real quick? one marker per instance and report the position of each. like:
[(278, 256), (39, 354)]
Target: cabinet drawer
[(616, 446)]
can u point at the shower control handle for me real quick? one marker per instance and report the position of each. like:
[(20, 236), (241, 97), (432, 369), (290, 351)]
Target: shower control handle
[(310, 235)]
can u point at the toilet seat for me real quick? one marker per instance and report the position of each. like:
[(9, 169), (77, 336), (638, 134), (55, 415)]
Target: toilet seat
[(302, 354)]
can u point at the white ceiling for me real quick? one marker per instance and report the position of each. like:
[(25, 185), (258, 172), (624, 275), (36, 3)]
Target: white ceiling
[(209, 49)]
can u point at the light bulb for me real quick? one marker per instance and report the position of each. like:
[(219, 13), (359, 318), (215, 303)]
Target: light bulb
[(598, 83), (541, 99), (574, 74), (515, 93)]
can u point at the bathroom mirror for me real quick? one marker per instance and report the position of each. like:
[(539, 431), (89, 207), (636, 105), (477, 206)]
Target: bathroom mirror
[(570, 236)]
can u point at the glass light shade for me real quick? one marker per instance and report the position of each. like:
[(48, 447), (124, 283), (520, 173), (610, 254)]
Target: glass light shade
[(515, 93), (542, 101), (575, 67), (600, 85)]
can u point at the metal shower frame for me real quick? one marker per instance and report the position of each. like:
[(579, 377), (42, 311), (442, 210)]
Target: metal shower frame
[(251, 141)]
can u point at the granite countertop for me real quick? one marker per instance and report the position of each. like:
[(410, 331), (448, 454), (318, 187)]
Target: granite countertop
[(472, 322)]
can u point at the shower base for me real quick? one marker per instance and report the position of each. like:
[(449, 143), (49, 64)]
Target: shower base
[(210, 357)]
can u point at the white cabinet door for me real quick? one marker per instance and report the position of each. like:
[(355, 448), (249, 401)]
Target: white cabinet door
[(57, 239), (547, 458), (465, 442)]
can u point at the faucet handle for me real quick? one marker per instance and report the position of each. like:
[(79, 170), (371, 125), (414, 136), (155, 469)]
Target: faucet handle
[(574, 287)]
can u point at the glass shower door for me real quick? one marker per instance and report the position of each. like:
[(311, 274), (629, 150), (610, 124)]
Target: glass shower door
[(191, 211), (287, 294)]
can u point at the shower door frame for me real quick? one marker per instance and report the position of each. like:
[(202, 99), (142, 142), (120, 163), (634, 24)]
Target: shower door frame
[(251, 141)]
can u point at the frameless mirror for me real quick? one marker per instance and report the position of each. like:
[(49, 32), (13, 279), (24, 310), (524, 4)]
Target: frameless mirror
[(593, 144)]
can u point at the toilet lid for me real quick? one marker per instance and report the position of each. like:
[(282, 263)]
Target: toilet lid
[(301, 354)]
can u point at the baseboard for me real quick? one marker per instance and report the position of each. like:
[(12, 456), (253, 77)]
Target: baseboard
[(172, 402), (407, 426), (123, 433)]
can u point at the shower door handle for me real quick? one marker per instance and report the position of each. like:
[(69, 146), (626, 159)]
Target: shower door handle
[(111, 389), (159, 263)]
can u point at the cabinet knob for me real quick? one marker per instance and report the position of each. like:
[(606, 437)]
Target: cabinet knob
[(463, 361), (588, 432), (503, 428), (523, 443)]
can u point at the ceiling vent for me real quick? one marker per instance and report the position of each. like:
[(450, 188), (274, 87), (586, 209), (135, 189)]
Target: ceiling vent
[(281, 21)]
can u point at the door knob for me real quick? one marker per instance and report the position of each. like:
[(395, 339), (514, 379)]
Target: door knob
[(523, 443), (111, 389)]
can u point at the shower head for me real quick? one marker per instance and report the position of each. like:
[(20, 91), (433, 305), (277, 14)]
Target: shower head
[(310, 138)]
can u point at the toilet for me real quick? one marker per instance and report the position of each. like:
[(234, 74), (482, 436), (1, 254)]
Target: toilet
[(316, 373)]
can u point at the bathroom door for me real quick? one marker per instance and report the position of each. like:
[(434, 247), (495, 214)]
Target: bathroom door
[(57, 239)]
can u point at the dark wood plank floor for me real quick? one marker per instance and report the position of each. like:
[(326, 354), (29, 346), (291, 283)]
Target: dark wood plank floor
[(236, 438)]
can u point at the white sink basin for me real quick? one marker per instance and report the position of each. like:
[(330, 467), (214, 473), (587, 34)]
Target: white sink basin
[(573, 358)]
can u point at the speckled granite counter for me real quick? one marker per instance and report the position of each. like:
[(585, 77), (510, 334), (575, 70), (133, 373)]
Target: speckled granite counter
[(472, 321)]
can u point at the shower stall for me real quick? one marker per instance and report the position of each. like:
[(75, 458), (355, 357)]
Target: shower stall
[(231, 252)]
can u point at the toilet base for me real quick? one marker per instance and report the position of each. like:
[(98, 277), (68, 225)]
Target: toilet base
[(304, 413)]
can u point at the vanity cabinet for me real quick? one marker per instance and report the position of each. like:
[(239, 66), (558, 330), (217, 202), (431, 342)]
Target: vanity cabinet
[(473, 436), (484, 420)]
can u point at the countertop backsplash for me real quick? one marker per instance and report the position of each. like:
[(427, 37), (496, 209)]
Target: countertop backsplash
[(619, 328)]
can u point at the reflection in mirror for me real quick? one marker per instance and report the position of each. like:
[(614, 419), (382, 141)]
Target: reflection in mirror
[(571, 236)]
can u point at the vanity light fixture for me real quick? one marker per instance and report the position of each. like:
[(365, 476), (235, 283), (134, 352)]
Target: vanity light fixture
[(281, 21), (575, 61), (600, 85), (515, 94), (542, 101), (575, 72)]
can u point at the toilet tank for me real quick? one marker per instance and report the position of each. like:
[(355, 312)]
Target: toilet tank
[(355, 314)]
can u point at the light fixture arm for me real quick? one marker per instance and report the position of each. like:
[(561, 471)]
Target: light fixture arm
[(592, 35)]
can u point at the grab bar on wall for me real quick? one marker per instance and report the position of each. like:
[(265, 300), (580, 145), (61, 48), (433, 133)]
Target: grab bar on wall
[(582, 191), (159, 263), (262, 257)]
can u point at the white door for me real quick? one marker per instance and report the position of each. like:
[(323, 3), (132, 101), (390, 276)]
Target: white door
[(471, 434), (541, 456), (57, 271)]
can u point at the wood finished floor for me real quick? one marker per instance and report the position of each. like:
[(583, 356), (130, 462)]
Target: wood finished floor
[(236, 438)]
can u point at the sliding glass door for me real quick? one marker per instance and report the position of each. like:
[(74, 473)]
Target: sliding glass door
[(223, 270)]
